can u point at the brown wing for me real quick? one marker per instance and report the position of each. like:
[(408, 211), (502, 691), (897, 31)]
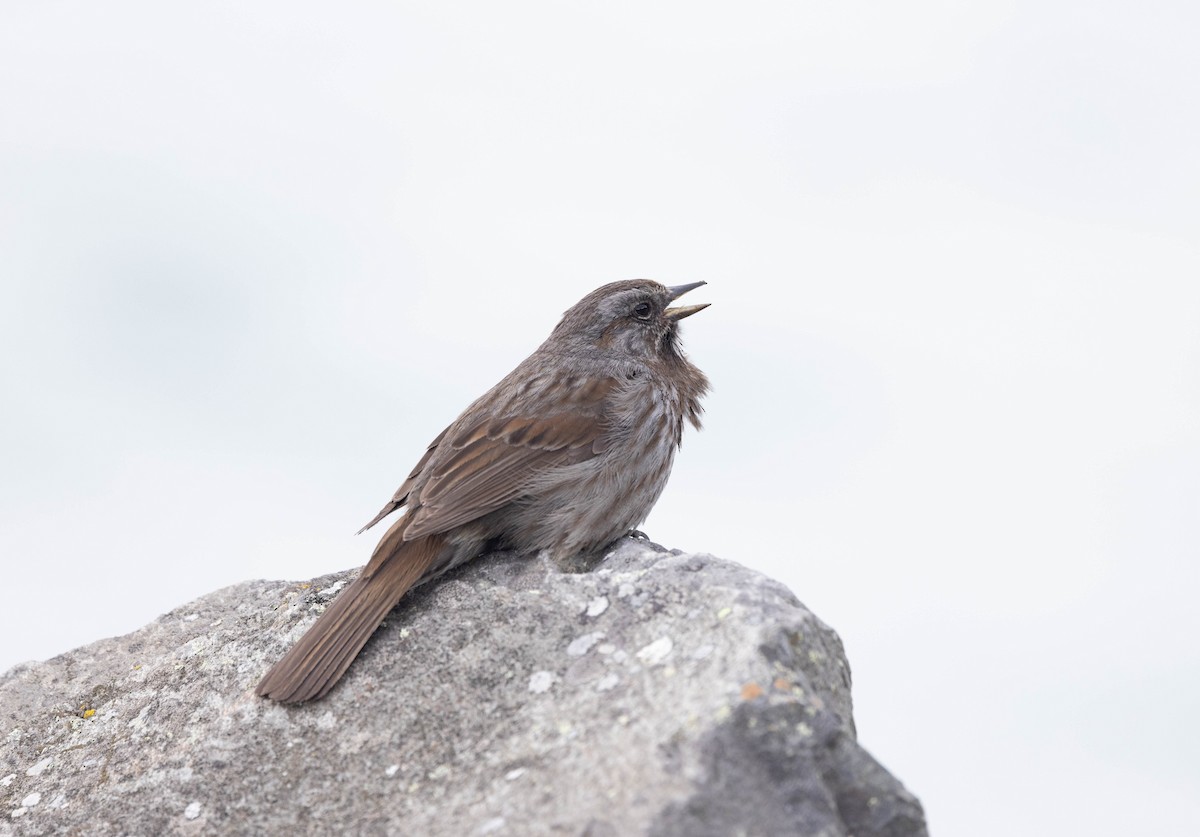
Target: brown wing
[(488, 464), (401, 495)]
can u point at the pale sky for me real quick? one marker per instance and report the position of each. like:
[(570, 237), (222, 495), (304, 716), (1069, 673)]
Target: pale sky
[(255, 256)]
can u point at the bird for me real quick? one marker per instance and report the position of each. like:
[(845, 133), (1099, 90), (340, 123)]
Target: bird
[(566, 454)]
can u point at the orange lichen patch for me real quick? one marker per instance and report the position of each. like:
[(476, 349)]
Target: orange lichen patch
[(781, 684), (87, 713), (751, 691)]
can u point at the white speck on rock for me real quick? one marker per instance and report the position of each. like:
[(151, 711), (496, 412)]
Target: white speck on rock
[(541, 681), (31, 800), (491, 826), (39, 768), (392, 770), (327, 721), (656, 652), (605, 648), (191, 617), (597, 606), (192, 811), (7, 780), (703, 651), (608, 681), (625, 590), (18, 812), (326, 592), (583, 644), (513, 775)]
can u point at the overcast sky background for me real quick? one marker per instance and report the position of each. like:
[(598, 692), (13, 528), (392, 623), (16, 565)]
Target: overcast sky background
[(255, 256)]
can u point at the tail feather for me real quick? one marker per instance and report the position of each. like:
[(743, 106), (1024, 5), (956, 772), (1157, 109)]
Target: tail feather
[(319, 659)]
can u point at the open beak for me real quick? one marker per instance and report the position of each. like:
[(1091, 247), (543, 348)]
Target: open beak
[(676, 314)]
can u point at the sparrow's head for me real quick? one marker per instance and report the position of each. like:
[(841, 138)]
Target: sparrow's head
[(632, 318)]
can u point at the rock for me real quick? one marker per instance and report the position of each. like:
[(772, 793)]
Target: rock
[(662, 693)]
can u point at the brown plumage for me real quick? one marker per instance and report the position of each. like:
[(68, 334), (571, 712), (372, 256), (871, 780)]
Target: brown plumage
[(568, 453)]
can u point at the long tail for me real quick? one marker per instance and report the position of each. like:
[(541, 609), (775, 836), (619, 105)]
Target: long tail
[(314, 664)]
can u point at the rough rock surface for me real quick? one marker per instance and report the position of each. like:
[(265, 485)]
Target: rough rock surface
[(661, 694)]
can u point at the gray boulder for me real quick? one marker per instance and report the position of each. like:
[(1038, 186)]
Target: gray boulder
[(661, 693)]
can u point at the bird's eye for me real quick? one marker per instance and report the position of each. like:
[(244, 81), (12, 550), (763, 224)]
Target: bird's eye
[(642, 310)]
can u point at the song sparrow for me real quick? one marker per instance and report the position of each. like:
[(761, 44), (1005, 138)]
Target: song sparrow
[(568, 453)]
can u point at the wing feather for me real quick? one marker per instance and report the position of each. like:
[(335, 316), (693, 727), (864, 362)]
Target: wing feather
[(488, 464), (401, 495)]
